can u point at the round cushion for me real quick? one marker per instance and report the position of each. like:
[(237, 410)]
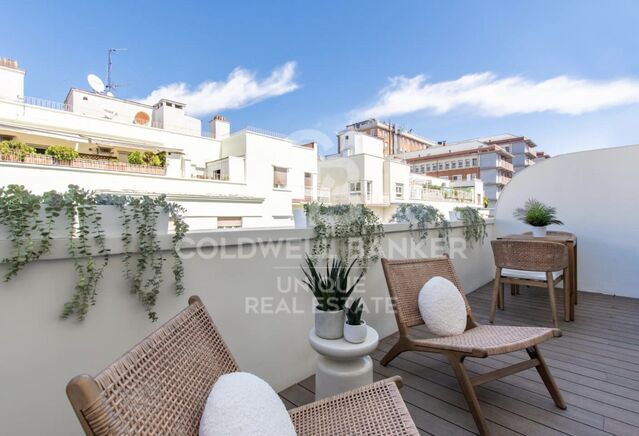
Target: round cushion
[(442, 307), (242, 404)]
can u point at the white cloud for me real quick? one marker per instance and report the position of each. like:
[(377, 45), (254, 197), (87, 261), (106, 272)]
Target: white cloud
[(240, 89), (490, 95)]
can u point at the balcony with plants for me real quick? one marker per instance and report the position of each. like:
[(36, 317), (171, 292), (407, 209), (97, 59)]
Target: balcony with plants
[(111, 271)]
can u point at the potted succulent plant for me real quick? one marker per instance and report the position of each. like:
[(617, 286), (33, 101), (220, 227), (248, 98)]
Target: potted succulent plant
[(355, 327), (538, 215), (331, 291)]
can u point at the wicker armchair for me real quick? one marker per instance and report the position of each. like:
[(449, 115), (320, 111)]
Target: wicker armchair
[(539, 264), (405, 279), (160, 387)]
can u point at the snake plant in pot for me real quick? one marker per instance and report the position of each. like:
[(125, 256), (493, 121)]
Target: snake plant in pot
[(538, 215), (355, 327), (331, 290)]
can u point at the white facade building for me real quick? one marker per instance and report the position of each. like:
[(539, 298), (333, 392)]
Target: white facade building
[(361, 174), (249, 178)]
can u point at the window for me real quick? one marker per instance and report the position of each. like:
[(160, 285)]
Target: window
[(441, 167), (280, 177), (474, 161), (369, 190), (428, 168), (456, 178), (447, 165), (453, 165), (421, 169), (229, 222), (356, 187), (467, 162), (460, 163), (399, 190)]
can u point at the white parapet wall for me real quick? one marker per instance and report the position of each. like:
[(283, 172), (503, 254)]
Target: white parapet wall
[(595, 193), (248, 279)]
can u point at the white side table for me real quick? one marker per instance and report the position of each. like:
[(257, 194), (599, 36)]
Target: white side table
[(342, 366)]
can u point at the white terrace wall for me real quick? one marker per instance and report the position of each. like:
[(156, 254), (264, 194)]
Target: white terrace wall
[(40, 352), (595, 193)]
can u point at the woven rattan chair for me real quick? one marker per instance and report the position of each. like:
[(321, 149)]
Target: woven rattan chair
[(405, 279), (539, 264), (160, 387)]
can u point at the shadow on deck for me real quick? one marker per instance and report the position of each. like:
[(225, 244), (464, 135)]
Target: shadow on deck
[(595, 364)]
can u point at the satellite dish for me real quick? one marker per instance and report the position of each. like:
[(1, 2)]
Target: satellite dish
[(96, 83)]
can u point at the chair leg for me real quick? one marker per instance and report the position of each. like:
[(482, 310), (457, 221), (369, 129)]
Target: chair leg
[(502, 299), (547, 378), (397, 349), (496, 286), (513, 289), (457, 362), (567, 295), (551, 295)]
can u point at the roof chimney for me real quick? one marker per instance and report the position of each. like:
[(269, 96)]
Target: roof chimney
[(220, 128)]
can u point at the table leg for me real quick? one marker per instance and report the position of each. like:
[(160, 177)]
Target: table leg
[(572, 255)]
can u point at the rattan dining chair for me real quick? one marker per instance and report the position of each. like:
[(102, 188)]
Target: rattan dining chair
[(160, 387), (539, 264), (405, 279)]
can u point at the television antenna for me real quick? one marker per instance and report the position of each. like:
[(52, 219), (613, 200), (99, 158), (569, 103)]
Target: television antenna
[(110, 86)]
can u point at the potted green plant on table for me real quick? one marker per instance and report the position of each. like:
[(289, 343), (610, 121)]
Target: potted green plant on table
[(538, 215), (331, 290), (355, 327)]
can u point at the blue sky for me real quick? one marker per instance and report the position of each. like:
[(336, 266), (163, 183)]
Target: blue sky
[(564, 73)]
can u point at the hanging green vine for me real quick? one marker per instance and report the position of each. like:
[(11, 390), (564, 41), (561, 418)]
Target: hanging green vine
[(29, 221), (141, 215), (85, 233), (474, 225), (424, 216), (354, 228)]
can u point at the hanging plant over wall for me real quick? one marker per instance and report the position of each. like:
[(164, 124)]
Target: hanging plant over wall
[(474, 225), (86, 247), (140, 215), (29, 221), (423, 216), (354, 229)]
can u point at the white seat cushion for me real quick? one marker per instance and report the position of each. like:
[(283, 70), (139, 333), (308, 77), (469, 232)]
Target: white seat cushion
[(242, 404), (528, 275), (442, 307)]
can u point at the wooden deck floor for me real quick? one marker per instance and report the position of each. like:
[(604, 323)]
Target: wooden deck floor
[(595, 364)]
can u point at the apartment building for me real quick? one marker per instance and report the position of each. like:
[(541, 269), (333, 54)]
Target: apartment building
[(466, 161), (224, 179), (522, 148), (395, 139), (361, 174)]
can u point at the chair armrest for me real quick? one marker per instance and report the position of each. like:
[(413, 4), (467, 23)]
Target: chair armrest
[(376, 409)]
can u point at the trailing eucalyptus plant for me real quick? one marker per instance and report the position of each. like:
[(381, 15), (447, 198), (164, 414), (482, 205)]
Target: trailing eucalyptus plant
[(85, 234), (424, 216), (474, 225), (29, 220), (140, 215), (21, 217), (354, 228)]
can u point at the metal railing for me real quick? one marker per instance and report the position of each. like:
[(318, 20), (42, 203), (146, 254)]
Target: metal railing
[(49, 104)]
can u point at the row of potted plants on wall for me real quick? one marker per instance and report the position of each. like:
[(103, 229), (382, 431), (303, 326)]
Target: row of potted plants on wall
[(86, 219)]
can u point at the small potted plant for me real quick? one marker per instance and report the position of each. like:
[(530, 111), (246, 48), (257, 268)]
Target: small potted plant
[(331, 292), (355, 327), (538, 215)]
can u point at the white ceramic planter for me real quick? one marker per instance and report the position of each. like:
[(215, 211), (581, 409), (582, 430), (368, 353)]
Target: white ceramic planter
[(329, 324), (538, 232), (299, 216), (355, 334)]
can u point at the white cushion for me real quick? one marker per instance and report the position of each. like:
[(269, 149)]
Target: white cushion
[(528, 275), (242, 404), (442, 307)]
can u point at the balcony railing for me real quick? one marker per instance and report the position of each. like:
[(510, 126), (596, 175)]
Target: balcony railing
[(93, 164), (442, 194), (505, 165)]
